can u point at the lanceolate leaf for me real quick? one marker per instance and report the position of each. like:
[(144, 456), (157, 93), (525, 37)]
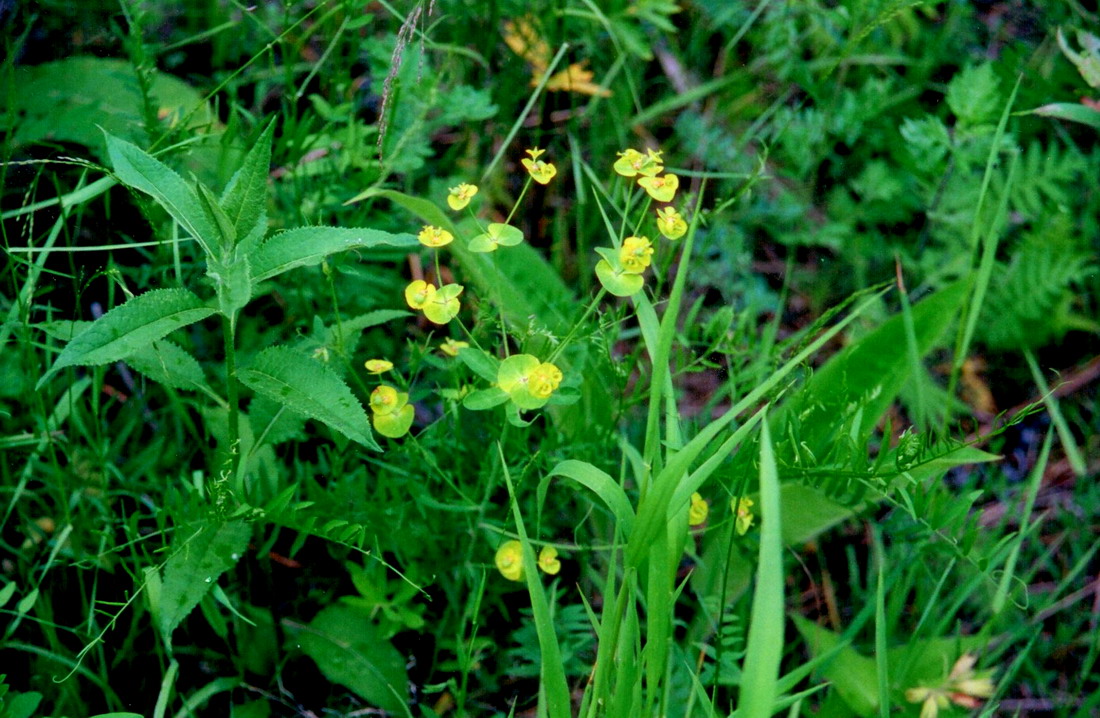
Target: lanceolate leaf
[(138, 169), (245, 198), (348, 649), (306, 386), (131, 327), (168, 364), (308, 246), (198, 559)]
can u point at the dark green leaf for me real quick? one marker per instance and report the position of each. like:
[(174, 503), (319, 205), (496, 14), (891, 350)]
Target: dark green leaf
[(131, 327), (308, 387), (169, 364), (308, 246), (245, 198)]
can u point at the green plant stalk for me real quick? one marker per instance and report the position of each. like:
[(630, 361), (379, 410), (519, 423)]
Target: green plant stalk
[(229, 338), (1069, 444), (1000, 598), (577, 325)]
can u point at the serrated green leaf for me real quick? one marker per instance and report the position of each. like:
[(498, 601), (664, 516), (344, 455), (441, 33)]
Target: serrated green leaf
[(245, 197), (306, 386), (350, 651), (130, 327), (138, 169), (169, 364), (308, 246), (198, 558), (974, 94)]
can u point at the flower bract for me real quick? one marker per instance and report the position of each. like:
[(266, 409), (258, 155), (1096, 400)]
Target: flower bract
[(451, 347), (392, 412), (548, 560), (632, 163), (670, 223), (443, 306), (460, 196), (697, 514), (419, 293), (742, 509), (528, 382), (635, 254), (509, 560), (614, 278), (378, 366), (496, 235), (662, 189), (435, 236), (541, 172)]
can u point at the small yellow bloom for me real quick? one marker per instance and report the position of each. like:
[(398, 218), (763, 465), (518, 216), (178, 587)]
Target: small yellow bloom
[(544, 380), (635, 254), (548, 560), (435, 236), (964, 687), (632, 163), (697, 514), (662, 189), (384, 400), (742, 507), (419, 293), (460, 196), (670, 223), (509, 560), (378, 366), (443, 306), (451, 347), (541, 172)]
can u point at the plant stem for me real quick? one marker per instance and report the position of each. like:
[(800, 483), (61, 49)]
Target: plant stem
[(577, 325), (229, 334)]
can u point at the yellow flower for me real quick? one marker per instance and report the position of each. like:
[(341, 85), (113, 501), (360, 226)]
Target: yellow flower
[(378, 366), (435, 236), (451, 347), (443, 306), (419, 293), (742, 507), (697, 514), (541, 172), (544, 380), (548, 560), (460, 196), (509, 560), (632, 163), (384, 399), (393, 415), (635, 254), (670, 223), (662, 189)]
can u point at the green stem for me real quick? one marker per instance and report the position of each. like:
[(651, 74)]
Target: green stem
[(519, 199), (577, 325), (641, 217), (229, 333)]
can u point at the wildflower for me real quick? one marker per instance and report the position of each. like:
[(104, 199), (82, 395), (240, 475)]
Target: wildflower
[(419, 293), (509, 560), (615, 278), (548, 560), (742, 508), (632, 163), (528, 382), (697, 514), (392, 412), (496, 235), (460, 196), (443, 306), (964, 687), (635, 254), (662, 189), (378, 366), (670, 223), (451, 347), (541, 172), (435, 236)]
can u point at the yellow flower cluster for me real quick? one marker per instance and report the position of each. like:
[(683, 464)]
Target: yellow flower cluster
[(439, 305), (528, 382), (509, 560), (541, 172), (742, 509), (393, 414), (460, 196)]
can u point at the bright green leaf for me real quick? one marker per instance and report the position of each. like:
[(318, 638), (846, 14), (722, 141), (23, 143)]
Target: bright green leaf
[(308, 247)]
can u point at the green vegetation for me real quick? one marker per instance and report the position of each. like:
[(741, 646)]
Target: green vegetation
[(556, 358)]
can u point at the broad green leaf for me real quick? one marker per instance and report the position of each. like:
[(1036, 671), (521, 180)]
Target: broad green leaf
[(869, 372), (169, 364), (597, 481), (1068, 111), (349, 650), (852, 675), (308, 387), (244, 200), (618, 282), (308, 247), (130, 327), (138, 169), (480, 363), (485, 399), (198, 557), (69, 100)]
